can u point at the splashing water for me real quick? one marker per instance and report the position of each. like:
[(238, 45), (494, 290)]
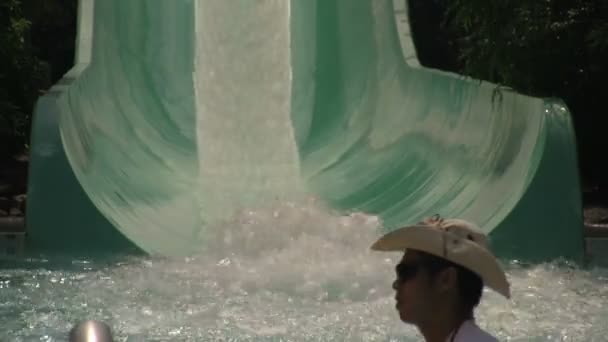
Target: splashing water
[(293, 273)]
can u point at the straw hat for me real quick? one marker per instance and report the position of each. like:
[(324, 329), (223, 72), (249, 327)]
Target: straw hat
[(456, 240)]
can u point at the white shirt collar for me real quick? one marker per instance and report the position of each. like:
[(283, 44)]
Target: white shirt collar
[(469, 331)]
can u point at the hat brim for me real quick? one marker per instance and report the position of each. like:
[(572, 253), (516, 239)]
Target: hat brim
[(463, 252)]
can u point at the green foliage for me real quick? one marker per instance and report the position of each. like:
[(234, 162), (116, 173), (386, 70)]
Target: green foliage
[(16, 64), (543, 48), (31, 34)]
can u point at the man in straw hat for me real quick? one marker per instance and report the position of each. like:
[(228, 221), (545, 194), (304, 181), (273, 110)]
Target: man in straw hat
[(440, 278)]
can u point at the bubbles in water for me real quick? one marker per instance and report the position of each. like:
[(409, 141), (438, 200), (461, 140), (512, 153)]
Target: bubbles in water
[(292, 273)]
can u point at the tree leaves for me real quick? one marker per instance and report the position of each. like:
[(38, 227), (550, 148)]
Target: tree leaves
[(27, 41), (536, 47)]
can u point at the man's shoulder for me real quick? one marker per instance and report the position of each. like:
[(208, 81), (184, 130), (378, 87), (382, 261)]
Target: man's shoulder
[(471, 332)]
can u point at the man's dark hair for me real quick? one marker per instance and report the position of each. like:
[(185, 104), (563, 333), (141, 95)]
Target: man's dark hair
[(470, 285)]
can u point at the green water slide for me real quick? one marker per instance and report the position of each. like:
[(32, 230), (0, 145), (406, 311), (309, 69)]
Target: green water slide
[(179, 114)]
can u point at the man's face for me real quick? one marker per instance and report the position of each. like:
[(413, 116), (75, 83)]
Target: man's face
[(416, 294)]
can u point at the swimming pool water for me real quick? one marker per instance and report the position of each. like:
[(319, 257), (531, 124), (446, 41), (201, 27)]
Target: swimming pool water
[(293, 273)]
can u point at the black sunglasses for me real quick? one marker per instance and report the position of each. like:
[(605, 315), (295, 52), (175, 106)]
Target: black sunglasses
[(406, 271)]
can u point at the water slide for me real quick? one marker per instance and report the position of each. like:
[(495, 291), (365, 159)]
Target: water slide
[(179, 114)]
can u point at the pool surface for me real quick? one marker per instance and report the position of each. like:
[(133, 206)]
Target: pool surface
[(280, 275)]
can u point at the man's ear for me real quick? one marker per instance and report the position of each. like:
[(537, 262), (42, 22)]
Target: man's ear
[(447, 279)]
